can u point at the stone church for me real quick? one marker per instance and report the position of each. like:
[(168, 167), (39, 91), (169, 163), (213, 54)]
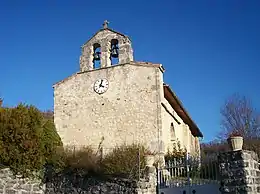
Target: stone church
[(116, 100)]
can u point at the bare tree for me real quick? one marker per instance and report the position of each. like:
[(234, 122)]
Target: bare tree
[(239, 115), (48, 114)]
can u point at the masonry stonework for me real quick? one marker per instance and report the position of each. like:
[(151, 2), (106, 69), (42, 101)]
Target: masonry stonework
[(11, 184), (104, 38), (176, 131), (74, 184), (130, 111), (239, 172), (127, 113)]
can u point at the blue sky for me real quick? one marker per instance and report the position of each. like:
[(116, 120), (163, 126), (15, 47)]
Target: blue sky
[(210, 49)]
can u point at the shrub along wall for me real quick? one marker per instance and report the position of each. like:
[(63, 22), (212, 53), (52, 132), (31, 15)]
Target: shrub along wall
[(85, 171), (29, 143), (28, 139)]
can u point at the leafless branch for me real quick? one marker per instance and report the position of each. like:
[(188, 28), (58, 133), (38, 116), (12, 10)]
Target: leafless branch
[(239, 115)]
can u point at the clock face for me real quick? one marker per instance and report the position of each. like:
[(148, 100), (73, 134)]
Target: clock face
[(101, 86)]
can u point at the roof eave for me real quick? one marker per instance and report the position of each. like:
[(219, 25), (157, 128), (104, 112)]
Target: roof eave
[(186, 117)]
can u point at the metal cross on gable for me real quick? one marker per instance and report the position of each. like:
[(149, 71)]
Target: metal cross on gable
[(105, 24)]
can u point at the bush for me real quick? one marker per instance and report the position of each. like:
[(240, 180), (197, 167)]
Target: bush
[(176, 153), (29, 143), (125, 161), (84, 160), (27, 140)]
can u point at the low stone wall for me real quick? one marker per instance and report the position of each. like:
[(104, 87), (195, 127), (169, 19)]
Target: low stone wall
[(10, 184), (239, 172)]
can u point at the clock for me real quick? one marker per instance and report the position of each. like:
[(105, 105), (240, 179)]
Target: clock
[(101, 86)]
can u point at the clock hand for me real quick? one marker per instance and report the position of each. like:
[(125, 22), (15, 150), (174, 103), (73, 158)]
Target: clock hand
[(100, 85)]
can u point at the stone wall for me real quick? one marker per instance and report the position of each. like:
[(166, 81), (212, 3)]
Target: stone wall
[(103, 38), (173, 125), (239, 172), (128, 112), (10, 184)]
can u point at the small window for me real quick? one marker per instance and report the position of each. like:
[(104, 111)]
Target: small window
[(172, 132)]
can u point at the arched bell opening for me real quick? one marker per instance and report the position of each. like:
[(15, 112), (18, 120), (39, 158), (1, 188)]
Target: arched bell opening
[(114, 52), (96, 56)]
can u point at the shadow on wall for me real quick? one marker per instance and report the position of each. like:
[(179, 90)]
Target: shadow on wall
[(73, 182)]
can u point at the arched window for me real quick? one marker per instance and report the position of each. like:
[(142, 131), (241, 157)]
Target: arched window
[(96, 56), (172, 132), (114, 54)]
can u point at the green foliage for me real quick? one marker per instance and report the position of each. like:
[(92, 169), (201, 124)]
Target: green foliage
[(27, 140), (29, 143), (176, 153), (50, 141), (84, 160), (125, 161)]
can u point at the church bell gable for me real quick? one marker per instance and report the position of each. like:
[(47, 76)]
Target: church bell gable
[(106, 48)]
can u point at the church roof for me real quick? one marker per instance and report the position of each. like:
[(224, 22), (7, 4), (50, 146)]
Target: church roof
[(135, 63), (103, 29), (178, 107)]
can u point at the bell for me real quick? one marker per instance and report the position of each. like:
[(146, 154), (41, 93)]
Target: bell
[(114, 52), (97, 56)]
